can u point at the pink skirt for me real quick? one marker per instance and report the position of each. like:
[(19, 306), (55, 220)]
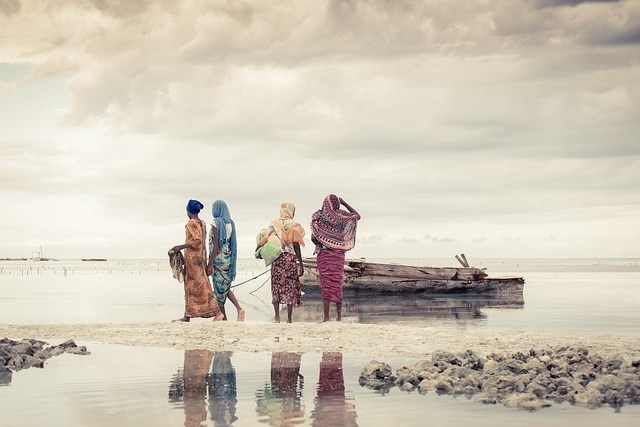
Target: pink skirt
[(331, 272)]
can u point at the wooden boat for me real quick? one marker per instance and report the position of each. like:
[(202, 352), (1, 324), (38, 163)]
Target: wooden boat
[(93, 259), (370, 277)]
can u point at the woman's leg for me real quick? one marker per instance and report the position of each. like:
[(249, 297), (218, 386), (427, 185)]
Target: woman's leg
[(325, 310), (234, 301), (276, 308), (224, 312), (289, 312), (339, 311)]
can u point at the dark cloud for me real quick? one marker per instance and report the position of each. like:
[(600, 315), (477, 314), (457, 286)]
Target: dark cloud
[(436, 239), (626, 37), (375, 238), (9, 7), (560, 3)]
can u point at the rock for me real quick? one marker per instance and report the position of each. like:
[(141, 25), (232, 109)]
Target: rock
[(472, 360), (407, 386), (527, 401), (528, 380), (445, 356), (426, 385), (490, 367), (82, 350), (536, 389), (30, 353), (377, 375), (589, 398), (443, 387), (68, 344), (483, 398)]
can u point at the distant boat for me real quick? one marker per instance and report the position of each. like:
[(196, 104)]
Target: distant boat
[(369, 277), (39, 256), (94, 259)]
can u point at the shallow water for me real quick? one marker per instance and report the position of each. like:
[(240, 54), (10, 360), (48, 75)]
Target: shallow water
[(118, 385), (133, 386), (593, 296)]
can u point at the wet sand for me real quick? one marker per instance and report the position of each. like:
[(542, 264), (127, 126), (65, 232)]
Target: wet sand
[(350, 338)]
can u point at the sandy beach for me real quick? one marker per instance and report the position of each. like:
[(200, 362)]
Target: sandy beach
[(351, 338)]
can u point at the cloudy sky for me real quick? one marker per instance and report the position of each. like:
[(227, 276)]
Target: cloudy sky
[(497, 128)]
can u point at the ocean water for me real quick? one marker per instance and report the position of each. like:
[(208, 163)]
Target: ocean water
[(120, 385)]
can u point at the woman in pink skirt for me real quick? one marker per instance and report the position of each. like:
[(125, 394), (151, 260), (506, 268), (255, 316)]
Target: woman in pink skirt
[(333, 231)]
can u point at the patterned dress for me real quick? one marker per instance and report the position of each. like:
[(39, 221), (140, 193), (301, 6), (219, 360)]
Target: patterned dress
[(285, 284), (221, 276), (198, 296)]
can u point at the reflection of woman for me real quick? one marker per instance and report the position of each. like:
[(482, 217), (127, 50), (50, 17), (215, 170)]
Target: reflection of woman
[(282, 400), (223, 256), (333, 231), (222, 390), (287, 268), (198, 296), (190, 386), (332, 408)]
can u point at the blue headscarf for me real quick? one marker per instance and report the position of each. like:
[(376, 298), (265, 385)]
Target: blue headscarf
[(221, 217), (194, 206)]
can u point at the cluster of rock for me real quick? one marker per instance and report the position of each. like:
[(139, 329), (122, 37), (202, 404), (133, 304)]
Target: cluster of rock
[(30, 353), (529, 381)]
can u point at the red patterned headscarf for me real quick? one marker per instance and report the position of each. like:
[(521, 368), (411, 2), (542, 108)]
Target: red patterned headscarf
[(333, 227)]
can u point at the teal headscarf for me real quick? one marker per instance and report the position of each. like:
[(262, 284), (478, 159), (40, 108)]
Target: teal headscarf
[(221, 217)]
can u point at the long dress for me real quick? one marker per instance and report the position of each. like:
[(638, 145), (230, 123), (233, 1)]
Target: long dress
[(331, 272), (221, 276), (285, 284), (198, 296)]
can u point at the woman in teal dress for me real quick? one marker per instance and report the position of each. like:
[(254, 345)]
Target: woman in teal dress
[(223, 257)]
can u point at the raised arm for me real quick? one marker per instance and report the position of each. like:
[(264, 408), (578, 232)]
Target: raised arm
[(349, 208)]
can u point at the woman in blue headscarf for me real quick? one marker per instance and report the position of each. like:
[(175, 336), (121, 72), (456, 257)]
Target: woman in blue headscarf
[(223, 256)]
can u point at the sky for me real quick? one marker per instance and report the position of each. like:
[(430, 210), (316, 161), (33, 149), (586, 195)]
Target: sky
[(494, 128)]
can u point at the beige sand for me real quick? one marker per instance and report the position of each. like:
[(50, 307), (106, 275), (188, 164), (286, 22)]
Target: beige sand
[(351, 338)]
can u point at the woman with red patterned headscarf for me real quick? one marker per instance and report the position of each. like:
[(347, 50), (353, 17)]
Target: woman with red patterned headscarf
[(333, 231)]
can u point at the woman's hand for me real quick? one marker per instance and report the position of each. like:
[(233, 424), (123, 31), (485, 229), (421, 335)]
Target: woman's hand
[(300, 269), (176, 248), (209, 270)]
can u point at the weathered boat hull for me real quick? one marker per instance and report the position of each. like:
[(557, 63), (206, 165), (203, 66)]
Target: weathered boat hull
[(361, 276)]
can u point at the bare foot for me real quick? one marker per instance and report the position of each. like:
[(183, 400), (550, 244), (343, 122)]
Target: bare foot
[(277, 320), (218, 317), (241, 315), (182, 319)]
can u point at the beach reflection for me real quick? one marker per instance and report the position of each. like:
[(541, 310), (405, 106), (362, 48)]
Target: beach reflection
[(409, 308), (332, 408), (206, 376), (280, 403), (5, 376)]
